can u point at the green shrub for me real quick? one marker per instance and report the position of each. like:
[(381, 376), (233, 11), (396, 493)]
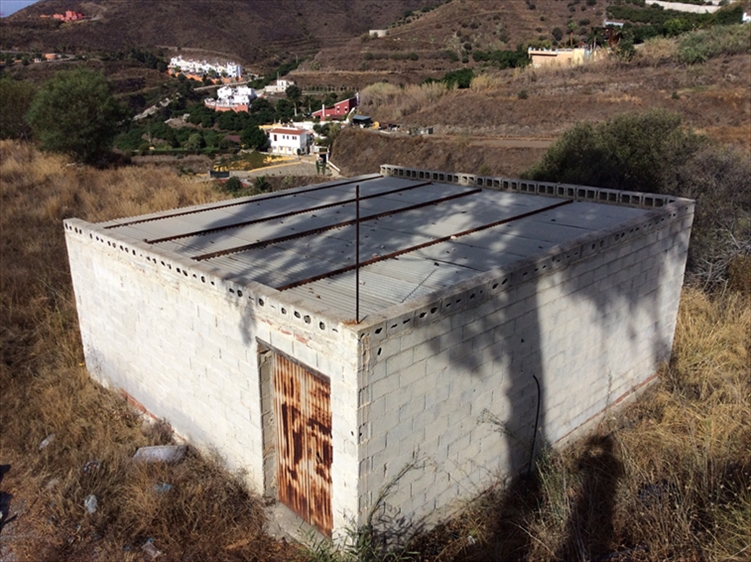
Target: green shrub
[(629, 151), (652, 152), (15, 98), (233, 185), (705, 44), (261, 185)]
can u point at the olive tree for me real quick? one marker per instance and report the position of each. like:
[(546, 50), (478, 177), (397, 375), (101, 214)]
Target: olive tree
[(75, 113)]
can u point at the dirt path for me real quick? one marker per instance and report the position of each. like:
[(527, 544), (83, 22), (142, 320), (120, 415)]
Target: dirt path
[(499, 142)]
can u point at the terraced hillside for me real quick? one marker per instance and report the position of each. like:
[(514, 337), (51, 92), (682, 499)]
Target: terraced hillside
[(437, 40)]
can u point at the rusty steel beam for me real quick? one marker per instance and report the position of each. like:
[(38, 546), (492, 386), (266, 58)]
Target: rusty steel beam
[(262, 243), (282, 215), (418, 247), (236, 203)]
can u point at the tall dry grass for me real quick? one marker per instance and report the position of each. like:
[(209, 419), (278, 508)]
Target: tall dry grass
[(656, 51), (207, 514), (486, 82), (399, 102)]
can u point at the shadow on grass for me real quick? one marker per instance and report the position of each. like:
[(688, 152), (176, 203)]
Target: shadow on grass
[(525, 520), (5, 499)]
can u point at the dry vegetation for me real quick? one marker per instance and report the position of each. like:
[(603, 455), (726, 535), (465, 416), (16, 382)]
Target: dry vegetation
[(668, 479), (251, 32), (713, 97), (46, 390)]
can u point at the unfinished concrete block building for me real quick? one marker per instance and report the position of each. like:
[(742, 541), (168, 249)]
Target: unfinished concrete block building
[(495, 316)]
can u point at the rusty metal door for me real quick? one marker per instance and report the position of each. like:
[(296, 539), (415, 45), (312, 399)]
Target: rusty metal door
[(302, 401)]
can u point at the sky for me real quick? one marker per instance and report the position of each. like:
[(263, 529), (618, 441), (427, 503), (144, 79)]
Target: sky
[(7, 7)]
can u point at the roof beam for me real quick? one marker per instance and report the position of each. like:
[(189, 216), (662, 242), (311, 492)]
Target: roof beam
[(282, 215), (420, 246), (236, 203), (321, 229)]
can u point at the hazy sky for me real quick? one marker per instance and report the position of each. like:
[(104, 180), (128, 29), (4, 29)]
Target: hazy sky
[(7, 7)]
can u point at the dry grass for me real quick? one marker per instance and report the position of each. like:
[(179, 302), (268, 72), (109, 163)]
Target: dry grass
[(396, 102), (207, 514), (484, 82), (657, 50)]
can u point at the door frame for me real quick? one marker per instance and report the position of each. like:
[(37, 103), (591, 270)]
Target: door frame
[(270, 433)]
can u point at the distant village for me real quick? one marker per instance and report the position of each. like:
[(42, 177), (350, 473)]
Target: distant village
[(68, 16), (234, 95)]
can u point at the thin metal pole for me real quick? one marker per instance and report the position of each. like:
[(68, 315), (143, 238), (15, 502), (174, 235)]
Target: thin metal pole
[(537, 421), (357, 253)]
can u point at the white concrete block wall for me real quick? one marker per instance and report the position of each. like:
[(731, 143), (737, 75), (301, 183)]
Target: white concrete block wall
[(443, 383), (448, 387), (184, 343)]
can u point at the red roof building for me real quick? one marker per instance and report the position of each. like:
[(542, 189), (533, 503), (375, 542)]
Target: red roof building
[(339, 110)]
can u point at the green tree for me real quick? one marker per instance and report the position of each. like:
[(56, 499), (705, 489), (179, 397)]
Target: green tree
[(571, 27), (284, 110), (15, 98), (652, 152), (293, 93), (253, 137), (196, 141), (629, 151), (76, 113)]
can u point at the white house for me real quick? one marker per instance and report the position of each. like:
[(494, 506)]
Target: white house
[(232, 99), (289, 141), (280, 87)]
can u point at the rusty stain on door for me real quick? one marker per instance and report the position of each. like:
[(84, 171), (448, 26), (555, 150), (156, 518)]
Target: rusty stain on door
[(302, 400)]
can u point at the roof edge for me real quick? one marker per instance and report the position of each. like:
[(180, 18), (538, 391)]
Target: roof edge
[(533, 187)]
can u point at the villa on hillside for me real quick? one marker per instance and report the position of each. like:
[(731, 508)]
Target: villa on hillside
[(287, 140), (68, 16), (232, 99), (280, 87)]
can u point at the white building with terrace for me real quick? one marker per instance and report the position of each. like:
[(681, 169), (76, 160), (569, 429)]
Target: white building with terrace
[(232, 99), (286, 140)]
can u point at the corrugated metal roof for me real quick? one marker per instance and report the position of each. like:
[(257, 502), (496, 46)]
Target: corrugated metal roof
[(425, 236)]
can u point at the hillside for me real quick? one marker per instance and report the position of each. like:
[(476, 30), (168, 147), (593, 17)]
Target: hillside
[(250, 31), (437, 40)]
